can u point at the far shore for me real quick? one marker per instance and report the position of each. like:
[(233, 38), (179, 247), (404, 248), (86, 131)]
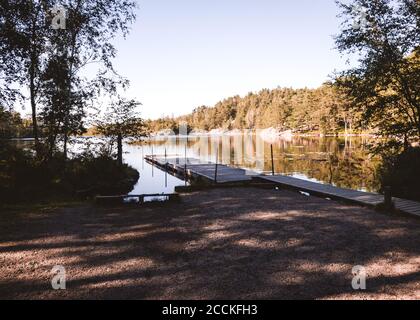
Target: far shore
[(268, 132)]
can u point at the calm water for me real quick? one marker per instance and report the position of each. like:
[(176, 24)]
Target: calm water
[(152, 180), (343, 162)]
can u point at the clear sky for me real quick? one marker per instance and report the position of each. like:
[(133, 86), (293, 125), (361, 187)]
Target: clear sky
[(187, 53)]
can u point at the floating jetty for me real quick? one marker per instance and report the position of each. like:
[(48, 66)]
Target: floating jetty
[(194, 169), (368, 199)]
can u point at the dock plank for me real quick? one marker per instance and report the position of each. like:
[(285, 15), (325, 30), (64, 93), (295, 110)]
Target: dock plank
[(207, 170), (364, 198)]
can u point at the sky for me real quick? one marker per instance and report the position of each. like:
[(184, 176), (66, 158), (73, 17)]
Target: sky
[(187, 53)]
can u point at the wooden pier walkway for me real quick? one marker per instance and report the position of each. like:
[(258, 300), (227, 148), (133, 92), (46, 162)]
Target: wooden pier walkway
[(202, 170), (226, 174), (328, 191)]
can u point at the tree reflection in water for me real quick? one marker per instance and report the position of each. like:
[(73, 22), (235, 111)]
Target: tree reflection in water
[(342, 161)]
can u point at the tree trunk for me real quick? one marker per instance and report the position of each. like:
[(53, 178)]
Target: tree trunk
[(65, 136), (406, 143), (32, 87), (72, 54), (65, 144), (51, 143), (120, 150), (33, 103), (345, 127)]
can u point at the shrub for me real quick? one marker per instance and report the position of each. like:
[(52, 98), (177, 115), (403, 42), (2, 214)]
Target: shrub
[(100, 175), (24, 177), (402, 173)]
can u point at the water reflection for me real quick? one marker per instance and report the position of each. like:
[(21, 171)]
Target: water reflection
[(343, 162), (152, 180)]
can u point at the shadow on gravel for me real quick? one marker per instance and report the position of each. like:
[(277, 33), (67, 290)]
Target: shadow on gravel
[(218, 244)]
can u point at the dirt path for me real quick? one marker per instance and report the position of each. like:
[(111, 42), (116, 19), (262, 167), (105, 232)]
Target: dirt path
[(234, 243)]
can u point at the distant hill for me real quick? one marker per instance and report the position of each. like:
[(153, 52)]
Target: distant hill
[(322, 110)]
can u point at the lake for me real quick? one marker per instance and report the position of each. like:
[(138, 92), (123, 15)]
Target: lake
[(343, 162)]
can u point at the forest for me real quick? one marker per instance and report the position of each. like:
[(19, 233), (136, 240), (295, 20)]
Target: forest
[(324, 110)]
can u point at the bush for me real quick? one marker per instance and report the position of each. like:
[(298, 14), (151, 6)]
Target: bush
[(21, 175), (402, 173), (100, 175), (24, 177)]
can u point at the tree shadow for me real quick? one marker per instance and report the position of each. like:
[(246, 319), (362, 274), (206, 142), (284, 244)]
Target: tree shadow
[(220, 244)]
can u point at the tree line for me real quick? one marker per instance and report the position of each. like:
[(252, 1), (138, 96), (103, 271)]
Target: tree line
[(323, 110)]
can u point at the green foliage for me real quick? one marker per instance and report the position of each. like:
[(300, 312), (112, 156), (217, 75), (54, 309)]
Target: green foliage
[(121, 122), (13, 126), (385, 87), (100, 175), (50, 63), (402, 173), (21, 174), (121, 119), (23, 177), (322, 110)]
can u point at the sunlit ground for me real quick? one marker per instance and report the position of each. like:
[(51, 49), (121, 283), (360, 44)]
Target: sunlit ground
[(227, 243)]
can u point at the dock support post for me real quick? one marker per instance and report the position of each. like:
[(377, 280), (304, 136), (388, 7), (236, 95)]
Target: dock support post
[(142, 157), (153, 164), (185, 165), (272, 161), (217, 165), (388, 197), (166, 170)]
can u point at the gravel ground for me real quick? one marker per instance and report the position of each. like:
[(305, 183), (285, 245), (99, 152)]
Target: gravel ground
[(241, 243)]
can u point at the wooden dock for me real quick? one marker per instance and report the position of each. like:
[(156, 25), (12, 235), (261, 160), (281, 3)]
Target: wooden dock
[(328, 191), (196, 169)]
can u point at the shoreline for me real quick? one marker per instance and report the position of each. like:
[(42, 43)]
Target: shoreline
[(268, 132)]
